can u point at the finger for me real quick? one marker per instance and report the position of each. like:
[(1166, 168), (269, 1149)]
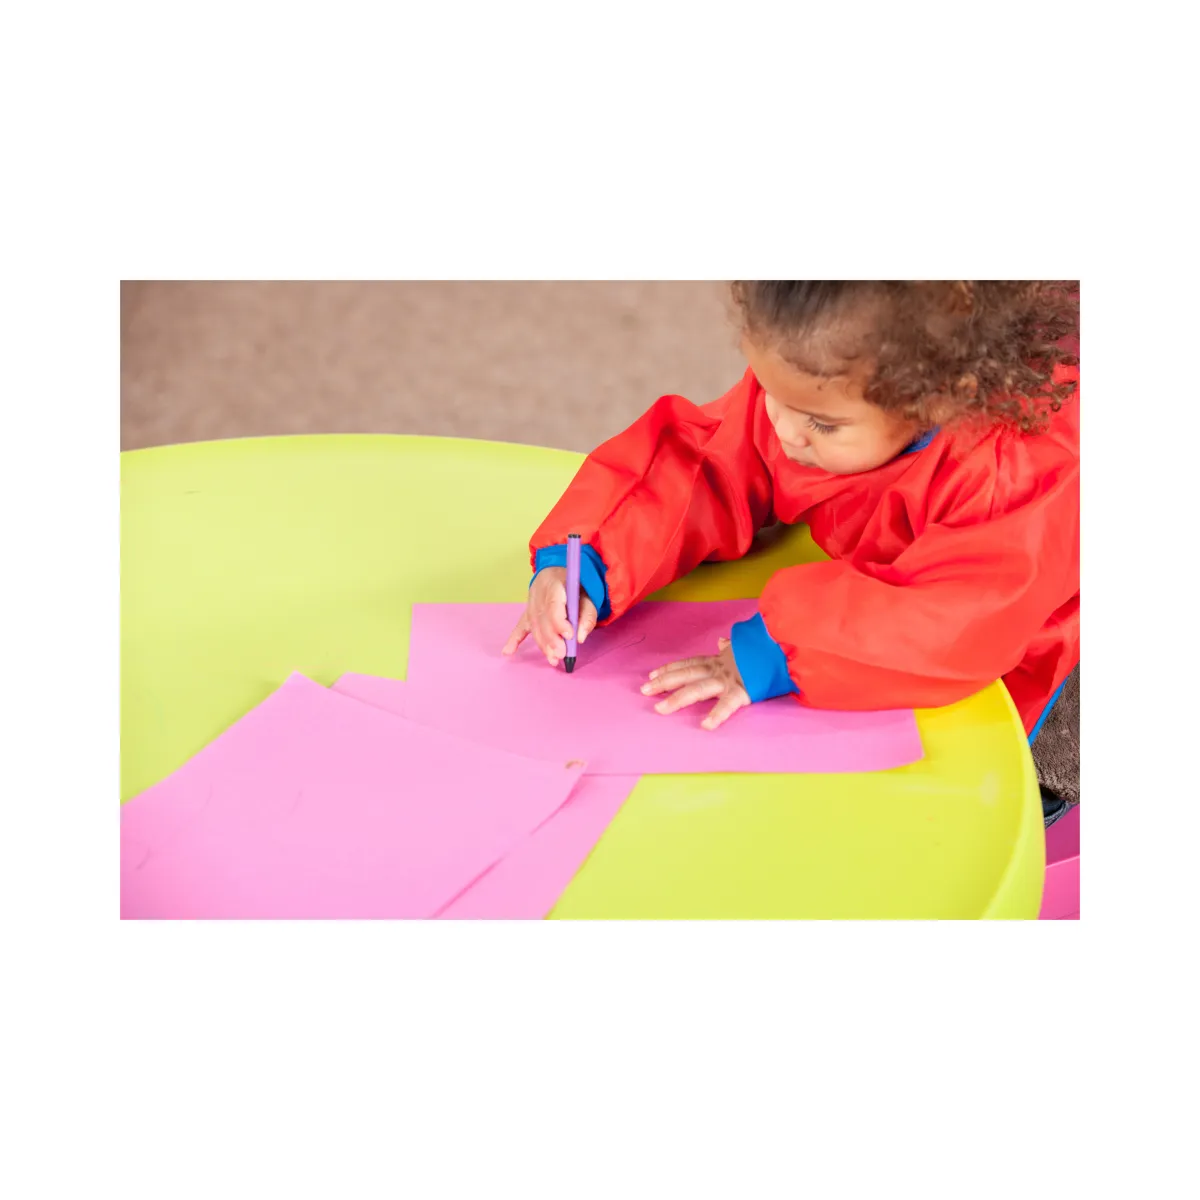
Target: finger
[(587, 619), (549, 640), (724, 709), (551, 621), (674, 666), (669, 680), (706, 689), (723, 643), (564, 626), (519, 634), (553, 647), (549, 643)]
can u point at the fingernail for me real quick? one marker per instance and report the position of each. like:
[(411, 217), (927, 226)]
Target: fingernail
[(645, 689), (661, 706), (653, 674)]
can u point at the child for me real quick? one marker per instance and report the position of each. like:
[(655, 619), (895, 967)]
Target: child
[(926, 432)]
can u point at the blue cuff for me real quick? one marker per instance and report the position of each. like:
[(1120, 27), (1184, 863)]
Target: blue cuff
[(591, 574), (760, 660)]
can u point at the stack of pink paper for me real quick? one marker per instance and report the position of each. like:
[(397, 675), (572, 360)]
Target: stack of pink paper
[(527, 883), (317, 805), (462, 793)]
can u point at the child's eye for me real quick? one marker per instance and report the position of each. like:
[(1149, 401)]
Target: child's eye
[(813, 423)]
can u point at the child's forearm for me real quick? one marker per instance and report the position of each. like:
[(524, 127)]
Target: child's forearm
[(683, 484), (955, 611)]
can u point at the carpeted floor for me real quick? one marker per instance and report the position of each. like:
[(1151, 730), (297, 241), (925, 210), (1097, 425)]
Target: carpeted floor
[(551, 364)]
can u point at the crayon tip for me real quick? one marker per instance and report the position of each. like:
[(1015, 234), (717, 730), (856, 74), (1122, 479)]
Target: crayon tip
[(570, 664)]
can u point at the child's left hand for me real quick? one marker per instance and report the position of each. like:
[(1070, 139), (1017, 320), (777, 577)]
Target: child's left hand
[(695, 679)]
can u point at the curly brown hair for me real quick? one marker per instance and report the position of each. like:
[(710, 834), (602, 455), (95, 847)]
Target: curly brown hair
[(937, 351)]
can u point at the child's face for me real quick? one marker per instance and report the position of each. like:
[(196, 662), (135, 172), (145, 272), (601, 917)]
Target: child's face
[(824, 421)]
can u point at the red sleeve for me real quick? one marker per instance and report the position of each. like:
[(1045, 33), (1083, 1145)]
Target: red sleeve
[(683, 484), (954, 611)]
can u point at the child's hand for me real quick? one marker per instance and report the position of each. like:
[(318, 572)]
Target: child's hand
[(545, 616), (694, 679)]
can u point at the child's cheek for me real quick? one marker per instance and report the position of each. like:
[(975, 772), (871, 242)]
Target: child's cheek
[(787, 428)]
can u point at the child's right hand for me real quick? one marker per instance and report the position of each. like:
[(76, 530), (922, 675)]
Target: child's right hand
[(545, 616)]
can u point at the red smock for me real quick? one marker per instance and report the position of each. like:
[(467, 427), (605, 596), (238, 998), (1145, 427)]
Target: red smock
[(950, 567)]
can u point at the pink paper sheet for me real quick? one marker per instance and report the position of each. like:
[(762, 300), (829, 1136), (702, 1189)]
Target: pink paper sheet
[(315, 805), (458, 680), (525, 884)]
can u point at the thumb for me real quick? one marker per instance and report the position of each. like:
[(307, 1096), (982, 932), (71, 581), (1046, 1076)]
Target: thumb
[(587, 620)]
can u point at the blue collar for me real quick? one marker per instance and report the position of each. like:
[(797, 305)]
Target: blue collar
[(921, 442)]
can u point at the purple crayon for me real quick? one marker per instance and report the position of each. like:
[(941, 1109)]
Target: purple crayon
[(574, 551)]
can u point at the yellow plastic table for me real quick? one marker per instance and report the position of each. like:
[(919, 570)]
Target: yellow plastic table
[(242, 561)]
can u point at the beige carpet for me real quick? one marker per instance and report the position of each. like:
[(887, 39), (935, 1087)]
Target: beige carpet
[(552, 364)]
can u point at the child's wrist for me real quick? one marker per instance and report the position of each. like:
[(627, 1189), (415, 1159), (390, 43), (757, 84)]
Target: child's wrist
[(592, 574)]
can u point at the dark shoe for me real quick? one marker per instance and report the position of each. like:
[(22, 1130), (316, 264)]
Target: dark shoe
[(1053, 807)]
